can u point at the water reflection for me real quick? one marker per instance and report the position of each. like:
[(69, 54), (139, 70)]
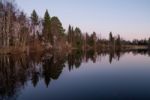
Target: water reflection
[(17, 70)]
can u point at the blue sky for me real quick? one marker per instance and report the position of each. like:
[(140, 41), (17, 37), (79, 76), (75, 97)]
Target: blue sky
[(129, 18)]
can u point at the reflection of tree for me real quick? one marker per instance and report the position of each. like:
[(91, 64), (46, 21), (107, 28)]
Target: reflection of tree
[(140, 51), (78, 59), (92, 55), (118, 54), (71, 61), (148, 52), (12, 76), (111, 55), (35, 78), (114, 55), (16, 70), (52, 68), (75, 59), (47, 63)]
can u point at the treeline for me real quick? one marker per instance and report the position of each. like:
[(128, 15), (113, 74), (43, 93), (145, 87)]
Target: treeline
[(19, 32)]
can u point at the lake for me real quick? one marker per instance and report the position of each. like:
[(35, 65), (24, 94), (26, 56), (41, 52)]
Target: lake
[(76, 76)]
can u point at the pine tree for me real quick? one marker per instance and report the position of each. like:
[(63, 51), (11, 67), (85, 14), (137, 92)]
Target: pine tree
[(78, 37), (111, 39), (47, 28), (92, 40), (69, 34), (34, 18), (35, 22), (118, 41)]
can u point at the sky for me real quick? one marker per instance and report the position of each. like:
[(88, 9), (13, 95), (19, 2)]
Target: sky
[(129, 18)]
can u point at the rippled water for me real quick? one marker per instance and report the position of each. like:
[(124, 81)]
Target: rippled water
[(75, 76)]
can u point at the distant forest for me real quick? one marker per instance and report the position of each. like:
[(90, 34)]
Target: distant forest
[(20, 33)]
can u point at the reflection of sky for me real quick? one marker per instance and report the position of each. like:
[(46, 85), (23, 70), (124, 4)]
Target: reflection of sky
[(130, 18)]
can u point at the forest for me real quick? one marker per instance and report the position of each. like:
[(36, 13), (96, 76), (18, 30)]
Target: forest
[(21, 33)]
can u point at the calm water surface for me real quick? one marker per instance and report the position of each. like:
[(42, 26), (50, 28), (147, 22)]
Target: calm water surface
[(75, 76)]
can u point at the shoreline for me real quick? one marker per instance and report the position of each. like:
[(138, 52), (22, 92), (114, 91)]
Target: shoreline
[(37, 49)]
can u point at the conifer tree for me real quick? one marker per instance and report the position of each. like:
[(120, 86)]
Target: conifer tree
[(47, 28), (35, 22)]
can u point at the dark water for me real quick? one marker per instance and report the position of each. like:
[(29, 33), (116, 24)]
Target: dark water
[(76, 76)]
